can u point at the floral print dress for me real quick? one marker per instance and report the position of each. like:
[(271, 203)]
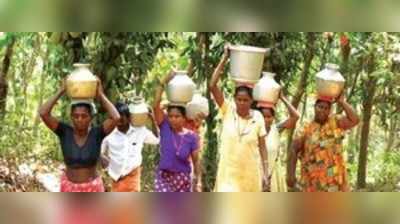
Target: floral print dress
[(323, 167)]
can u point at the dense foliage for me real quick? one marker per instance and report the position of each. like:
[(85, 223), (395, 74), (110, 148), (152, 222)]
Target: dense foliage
[(32, 65)]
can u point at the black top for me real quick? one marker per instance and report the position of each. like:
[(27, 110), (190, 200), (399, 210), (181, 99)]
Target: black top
[(76, 156)]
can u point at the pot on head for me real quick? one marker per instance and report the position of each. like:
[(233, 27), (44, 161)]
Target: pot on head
[(81, 83), (180, 89), (330, 83), (199, 104), (139, 112), (266, 91), (246, 63)]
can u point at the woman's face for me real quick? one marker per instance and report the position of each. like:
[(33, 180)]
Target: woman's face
[(322, 111), (81, 118), (176, 118), (243, 102), (268, 116)]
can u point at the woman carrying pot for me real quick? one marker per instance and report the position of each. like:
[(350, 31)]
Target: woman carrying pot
[(276, 167), (179, 148), (319, 147), (80, 142), (242, 150)]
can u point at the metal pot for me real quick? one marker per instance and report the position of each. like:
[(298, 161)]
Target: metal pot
[(246, 63), (180, 89), (81, 83), (267, 89), (139, 112), (330, 82), (199, 104)]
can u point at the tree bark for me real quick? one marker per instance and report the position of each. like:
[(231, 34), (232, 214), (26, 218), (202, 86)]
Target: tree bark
[(368, 101), (3, 77), (301, 87), (326, 51), (392, 134), (363, 157), (205, 67), (28, 74), (45, 55)]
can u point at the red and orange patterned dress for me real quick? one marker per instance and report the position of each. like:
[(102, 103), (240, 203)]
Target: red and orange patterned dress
[(323, 167)]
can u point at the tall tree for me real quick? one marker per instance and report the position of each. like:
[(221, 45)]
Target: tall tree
[(309, 53), (6, 62), (367, 104)]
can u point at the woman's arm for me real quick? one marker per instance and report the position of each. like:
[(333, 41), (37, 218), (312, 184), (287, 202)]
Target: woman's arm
[(158, 112), (154, 126), (351, 119), (294, 115), (109, 124), (45, 110), (264, 162), (216, 76), (197, 171), (297, 147)]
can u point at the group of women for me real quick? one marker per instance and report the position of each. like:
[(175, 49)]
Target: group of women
[(249, 154)]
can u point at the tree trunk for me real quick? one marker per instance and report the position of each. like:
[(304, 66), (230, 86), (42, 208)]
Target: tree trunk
[(3, 95), (308, 57), (344, 66), (209, 162), (326, 52), (354, 82), (28, 74), (304, 109), (3, 77), (366, 122), (392, 134), (76, 46), (41, 93)]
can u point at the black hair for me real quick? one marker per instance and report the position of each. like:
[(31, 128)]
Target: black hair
[(323, 101), (267, 108), (181, 109), (123, 109), (87, 106), (245, 89)]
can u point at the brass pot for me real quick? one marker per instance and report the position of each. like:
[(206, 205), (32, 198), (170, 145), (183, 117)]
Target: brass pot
[(139, 112), (81, 83), (330, 82), (138, 120)]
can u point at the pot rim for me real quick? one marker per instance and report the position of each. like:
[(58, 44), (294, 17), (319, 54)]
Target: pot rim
[(137, 99), (132, 108), (332, 66), (246, 81), (270, 74), (81, 65), (248, 48), (181, 72), (179, 104)]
